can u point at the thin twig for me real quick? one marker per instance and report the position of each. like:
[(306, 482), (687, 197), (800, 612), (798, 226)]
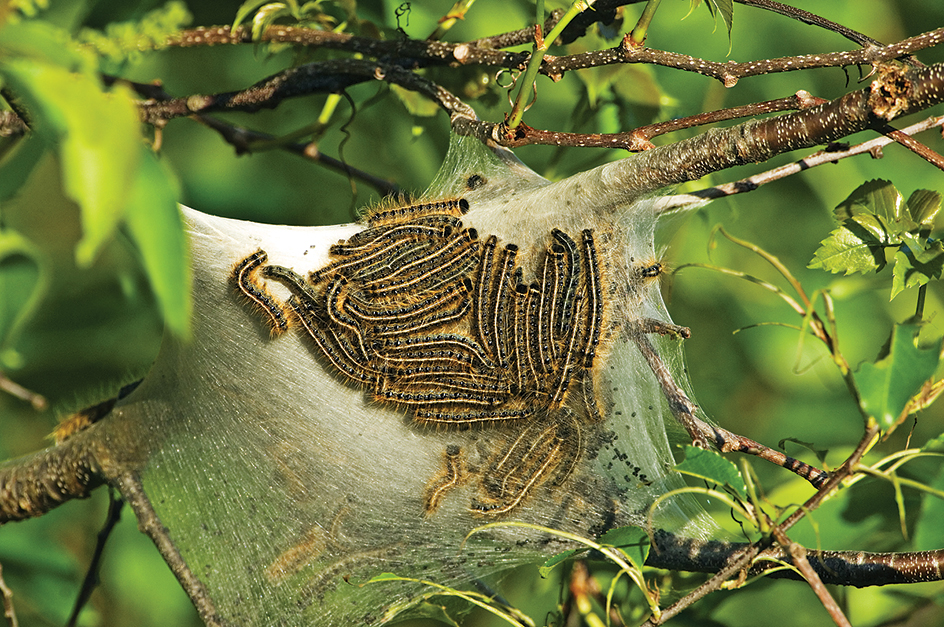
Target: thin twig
[(800, 561), (914, 146), (518, 37), (704, 434), (819, 158), (412, 53), (811, 18), (640, 138), (38, 401), (741, 559), (242, 139), (8, 610), (730, 72), (91, 574)]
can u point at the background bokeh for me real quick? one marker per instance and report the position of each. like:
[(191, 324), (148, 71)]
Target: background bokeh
[(99, 328)]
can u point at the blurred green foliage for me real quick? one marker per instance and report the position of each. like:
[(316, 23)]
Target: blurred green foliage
[(98, 323)]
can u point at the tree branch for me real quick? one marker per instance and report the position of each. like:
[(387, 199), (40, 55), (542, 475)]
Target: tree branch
[(895, 92), (851, 568), (33, 485), (873, 147)]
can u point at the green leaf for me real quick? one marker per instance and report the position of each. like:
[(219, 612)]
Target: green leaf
[(856, 246), (24, 281), (726, 9), (265, 17), (17, 166), (100, 143), (934, 445), (556, 560), (246, 9), (415, 103), (633, 541), (123, 41), (886, 386), (917, 264), (876, 196), (43, 43), (155, 223), (712, 467), (923, 205)]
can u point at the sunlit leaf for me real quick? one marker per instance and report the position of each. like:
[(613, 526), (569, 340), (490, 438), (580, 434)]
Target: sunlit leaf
[(876, 196), (415, 103), (856, 246), (923, 205), (42, 42), (266, 16), (712, 467), (99, 143), (157, 227), (886, 386), (917, 264), (246, 9)]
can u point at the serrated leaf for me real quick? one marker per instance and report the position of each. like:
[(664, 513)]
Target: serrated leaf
[(415, 103), (633, 541), (99, 143), (556, 560), (157, 228), (876, 196), (917, 263), (886, 386), (712, 467), (856, 246), (923, 205)]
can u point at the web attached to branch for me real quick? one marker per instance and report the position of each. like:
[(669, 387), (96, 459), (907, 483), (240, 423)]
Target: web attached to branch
[(358, 398)]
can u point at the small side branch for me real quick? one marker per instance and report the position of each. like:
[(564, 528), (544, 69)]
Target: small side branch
[(8, 610), (730, 72), (872, 147), (705, 435), (92, 574), (641, 138)]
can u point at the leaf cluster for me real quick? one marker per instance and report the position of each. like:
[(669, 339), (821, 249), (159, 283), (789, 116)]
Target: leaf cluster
[(107, 168), (876, 225)]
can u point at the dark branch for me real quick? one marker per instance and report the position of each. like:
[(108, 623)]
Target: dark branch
[(730, 72), (33, 485), (847, 568), (640, 139)]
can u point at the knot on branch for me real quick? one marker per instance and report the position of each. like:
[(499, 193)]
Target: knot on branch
[(890, 92)]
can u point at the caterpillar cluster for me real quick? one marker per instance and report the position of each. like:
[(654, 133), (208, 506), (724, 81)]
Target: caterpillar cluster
[(425, 316)]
